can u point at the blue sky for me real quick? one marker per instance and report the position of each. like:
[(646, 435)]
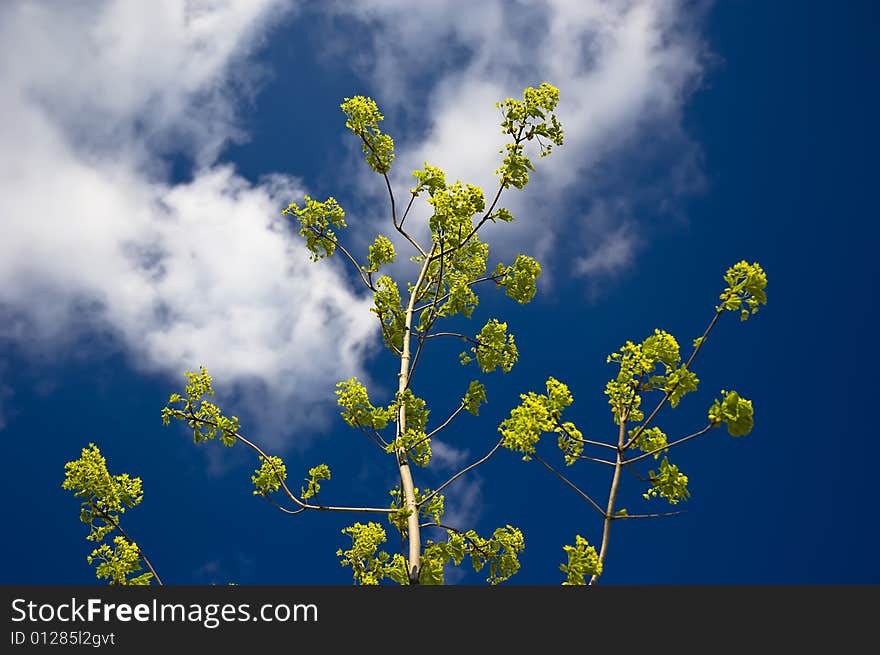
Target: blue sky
[(148, 152)]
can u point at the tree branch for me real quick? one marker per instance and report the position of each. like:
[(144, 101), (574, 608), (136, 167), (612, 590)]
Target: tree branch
[(584, 441), (596, 459), (397, 226), (430, 323), (443, 526), (462, 472), (670, 445), (406, 211), (612, 495), (407, 487), (444, 424), (641, 428), (451, 334), (648, 516), (488, 278), (375, 437), (570, 484), (357, 267), (281, 508), (290, 494), (109, 519)]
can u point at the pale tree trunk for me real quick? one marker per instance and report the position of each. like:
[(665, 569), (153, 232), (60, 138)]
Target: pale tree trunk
[(407, 487)]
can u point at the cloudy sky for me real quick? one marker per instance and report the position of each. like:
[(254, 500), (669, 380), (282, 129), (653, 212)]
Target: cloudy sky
[(148, 148)]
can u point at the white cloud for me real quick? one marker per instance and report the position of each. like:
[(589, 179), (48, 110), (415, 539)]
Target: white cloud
[(624, 67), (446, 456), (96, 94), (94, 237), (6, 393), (464, 502)]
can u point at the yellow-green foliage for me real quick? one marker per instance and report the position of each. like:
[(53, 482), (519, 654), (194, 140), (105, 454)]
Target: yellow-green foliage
[(583, 560), (316, 474), (746, 283), (119, 562), (105, 499), (269, 476), (537, 414), (203, 416)]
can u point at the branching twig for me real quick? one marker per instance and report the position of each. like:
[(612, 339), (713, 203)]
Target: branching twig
[(443, 526), (109, 519), (641, 428), (397, 226), (667, 446), (357, 267), (290, 494), (612, 495), (562, 427), (281, 508)]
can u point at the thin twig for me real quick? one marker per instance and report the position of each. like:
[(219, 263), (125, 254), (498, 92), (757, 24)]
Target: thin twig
[(670, 445), (595, 459), (320, 233), (375, 437), (406, 211), (464, 337), (104, 515), (641, 428), (457, 411), (648, 516), (281, 508), (462, 472), (397, 226), (443, 526), (290, 494), (561, 426), (570, 484), (490, 278)]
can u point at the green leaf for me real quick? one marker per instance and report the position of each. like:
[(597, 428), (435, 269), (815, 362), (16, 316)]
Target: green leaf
[(680, 382), (500, 552), (431, 179), (105, 497), (356, 406), (496, 348), (651, 440), (525, 120), (583, 561), (268, 478), (537, 414), (363, 119), (203, 416), (519, 280), (637, 362), (315, 219), (476, 395), (746, 284), (668, 483), (380, 252), (391, 313), (370, 565), (119, 562), (316, 474), (735, 411), (414, 408)]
